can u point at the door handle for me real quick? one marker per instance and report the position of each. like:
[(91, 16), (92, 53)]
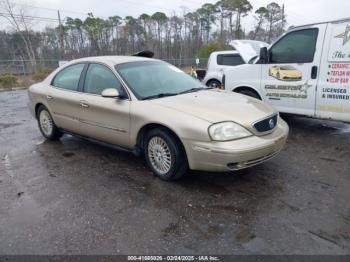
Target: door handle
[(314, 72), (84, 105), (49, 97)]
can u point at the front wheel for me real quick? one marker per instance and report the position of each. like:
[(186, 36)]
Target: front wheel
[(46, 124), (165, 155)]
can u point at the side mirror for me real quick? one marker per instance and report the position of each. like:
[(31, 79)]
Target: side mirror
[(110, 93), (264, 55)]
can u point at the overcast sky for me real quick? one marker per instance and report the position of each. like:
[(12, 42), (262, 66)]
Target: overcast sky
[(298, 11)]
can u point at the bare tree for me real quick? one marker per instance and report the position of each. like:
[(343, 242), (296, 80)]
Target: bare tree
[(21, 23), (175, 36)]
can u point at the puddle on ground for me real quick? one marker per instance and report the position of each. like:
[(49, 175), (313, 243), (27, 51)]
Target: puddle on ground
[(68, 154), (245, 236), (26, 211)]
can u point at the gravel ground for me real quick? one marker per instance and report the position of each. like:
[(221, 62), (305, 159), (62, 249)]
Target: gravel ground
[(77, 197)]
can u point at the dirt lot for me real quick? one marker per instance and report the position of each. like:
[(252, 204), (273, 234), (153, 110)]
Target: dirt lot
[(74, 197)]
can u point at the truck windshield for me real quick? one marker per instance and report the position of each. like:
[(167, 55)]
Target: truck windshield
[(156, 79)]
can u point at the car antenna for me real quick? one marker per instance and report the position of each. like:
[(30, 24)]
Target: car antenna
[(146, 53)]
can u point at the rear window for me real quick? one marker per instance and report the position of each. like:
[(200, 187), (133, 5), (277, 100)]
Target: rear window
[(69, 77), (229, 60)]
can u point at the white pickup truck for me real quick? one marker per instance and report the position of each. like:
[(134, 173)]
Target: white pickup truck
[(222, 60), (306, 71)]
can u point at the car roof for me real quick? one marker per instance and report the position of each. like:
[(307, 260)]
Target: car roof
[(113, 59), (225, 52)]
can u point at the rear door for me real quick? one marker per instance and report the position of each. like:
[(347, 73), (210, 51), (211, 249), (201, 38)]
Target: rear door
[(105, 119), (63, 97), (333, 97), (289, 80)]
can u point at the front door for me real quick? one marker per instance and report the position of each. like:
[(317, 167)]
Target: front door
[(105, 119), (289, 80)]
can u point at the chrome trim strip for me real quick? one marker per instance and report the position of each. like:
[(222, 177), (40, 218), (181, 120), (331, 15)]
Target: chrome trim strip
[(66, 116), (102, 126)]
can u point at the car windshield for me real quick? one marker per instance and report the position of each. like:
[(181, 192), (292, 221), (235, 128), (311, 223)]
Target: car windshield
[(287, 68), (251, 61), (157, 79)]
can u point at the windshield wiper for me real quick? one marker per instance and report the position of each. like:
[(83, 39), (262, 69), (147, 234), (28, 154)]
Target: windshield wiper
[(196, 89), (192, 90), (159, 96)]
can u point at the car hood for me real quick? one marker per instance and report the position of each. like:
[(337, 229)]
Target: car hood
[(217, 106), (248, 48)]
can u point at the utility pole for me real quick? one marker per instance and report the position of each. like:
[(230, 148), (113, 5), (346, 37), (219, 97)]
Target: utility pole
[(283, 19), (61, 40)]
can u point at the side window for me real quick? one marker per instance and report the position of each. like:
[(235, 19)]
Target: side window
[(229, 60), (295, 47), (69, 77), (99, 78)]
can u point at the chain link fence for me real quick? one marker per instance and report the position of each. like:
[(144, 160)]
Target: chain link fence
[(27, 67), (188, 62)]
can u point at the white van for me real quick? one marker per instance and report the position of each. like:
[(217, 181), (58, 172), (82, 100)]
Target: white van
[(306, 71)]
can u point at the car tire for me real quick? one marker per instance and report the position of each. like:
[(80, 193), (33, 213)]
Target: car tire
[(46, 124), (214, 83), (165, 155), (249, 93)]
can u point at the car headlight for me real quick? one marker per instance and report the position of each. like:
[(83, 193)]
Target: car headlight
[(226, 131)]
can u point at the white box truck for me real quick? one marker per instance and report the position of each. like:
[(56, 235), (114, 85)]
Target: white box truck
[(306, 71)]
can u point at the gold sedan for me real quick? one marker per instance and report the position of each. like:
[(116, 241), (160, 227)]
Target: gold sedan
[(152, 108)]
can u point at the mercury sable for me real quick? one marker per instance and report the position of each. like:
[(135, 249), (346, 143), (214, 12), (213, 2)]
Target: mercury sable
[(152, 108)]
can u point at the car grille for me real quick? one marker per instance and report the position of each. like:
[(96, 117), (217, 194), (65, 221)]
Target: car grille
[(267, 124)]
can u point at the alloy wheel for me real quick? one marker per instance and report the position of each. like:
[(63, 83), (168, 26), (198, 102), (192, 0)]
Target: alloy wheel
[(159, 155), (46, 123)]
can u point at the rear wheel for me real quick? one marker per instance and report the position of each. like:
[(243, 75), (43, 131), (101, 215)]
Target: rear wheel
[(165, 155), (214, 83), (46, 124)]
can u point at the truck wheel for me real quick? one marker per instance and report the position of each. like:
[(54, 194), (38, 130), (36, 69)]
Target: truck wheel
[(164, 155), (249, 93), (46, 124), (214, 83)]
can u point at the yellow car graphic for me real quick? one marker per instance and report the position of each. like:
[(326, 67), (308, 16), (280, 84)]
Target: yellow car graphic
[(285, 73)]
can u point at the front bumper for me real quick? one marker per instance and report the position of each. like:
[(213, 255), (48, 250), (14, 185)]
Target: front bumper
[(238, 154)]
